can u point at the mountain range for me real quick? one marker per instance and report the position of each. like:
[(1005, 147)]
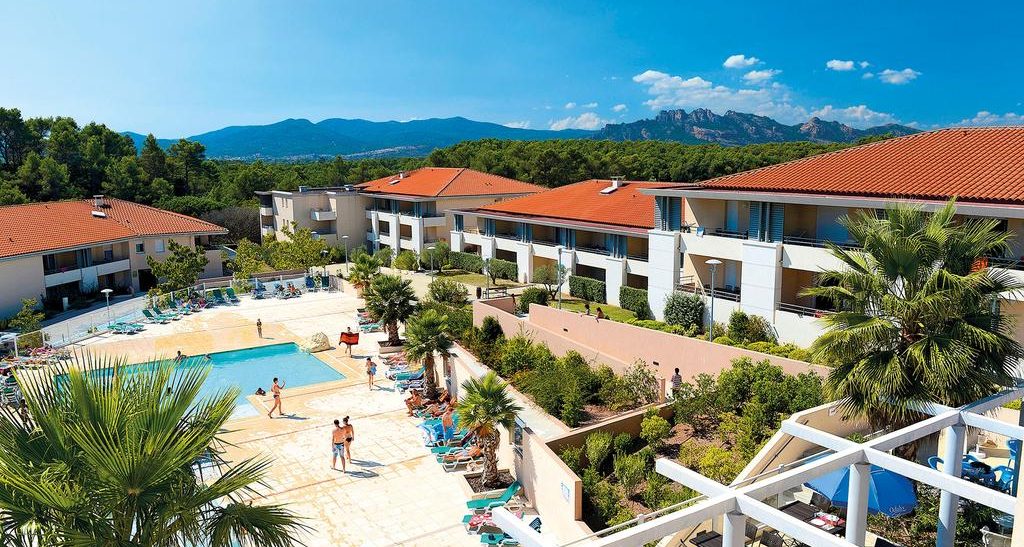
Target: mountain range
[(296, 139)]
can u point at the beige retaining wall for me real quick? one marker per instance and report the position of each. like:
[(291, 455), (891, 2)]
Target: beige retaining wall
[(618, 345)]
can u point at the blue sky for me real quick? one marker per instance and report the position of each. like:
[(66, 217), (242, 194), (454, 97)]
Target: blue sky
[(181, 68)]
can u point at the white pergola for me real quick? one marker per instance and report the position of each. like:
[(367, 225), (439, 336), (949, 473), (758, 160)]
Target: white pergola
[(736, 503)]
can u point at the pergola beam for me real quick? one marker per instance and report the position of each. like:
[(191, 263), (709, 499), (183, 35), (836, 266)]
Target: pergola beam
[(991, 424), (656, 529), (789, 525)]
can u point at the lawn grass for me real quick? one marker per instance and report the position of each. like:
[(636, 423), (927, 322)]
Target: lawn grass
[(476, 279), (614, 313)]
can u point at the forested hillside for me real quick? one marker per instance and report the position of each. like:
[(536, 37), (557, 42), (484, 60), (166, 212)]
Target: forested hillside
[(45, 159)]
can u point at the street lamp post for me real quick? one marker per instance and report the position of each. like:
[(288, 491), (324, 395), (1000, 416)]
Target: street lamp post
[(714, 262), (559, 269), (431, 249), (106, 293), (345, 239)]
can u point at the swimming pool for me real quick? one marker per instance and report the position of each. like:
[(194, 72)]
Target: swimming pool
[(252, 368)]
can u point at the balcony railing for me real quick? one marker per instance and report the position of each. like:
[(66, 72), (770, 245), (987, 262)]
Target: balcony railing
[(505, 235), (547, 242), (1005, 263), (721, 232), (642, 258), (688, 284), (595, 250), (815, 242), (804, 311)]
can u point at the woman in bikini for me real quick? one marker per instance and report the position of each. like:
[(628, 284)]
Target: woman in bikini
[(350, 435), (276, 390)]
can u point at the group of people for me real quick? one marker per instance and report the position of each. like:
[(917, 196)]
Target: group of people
[(341, 443)]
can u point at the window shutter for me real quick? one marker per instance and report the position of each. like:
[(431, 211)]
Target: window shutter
[(675, 219), (776, 222), (754, 231)]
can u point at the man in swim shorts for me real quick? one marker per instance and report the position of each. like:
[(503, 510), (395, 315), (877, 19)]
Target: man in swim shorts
[(338, 446)]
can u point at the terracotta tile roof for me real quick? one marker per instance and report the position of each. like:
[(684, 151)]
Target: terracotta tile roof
[(448, 182), (38, 227), (584, 202), (983, 164)]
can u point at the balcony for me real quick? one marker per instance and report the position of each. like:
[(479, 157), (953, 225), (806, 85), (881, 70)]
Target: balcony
[(323, 215), (803, 311), (593, 249), (319, 234), (75, 274), (506, 235), (816, 242), (733, 234), (711, 245), (266, 211), (267, 230), (691, 285), (641, 258)]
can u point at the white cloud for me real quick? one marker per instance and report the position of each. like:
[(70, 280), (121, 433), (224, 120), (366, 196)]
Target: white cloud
[(985, 117), (740, 61), (524, 124), (864, 64), (898, 77), (620, 108), (586, 120), (840, 66), (759, 76), (570, 105), (860, 115), (868, 75), (590, 105), (773, 99)]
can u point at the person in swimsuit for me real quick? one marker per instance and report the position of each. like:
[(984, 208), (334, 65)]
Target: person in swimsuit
[(259, 327), (338, 446), (276, 390), (371, 371), (414, 401), (448, 423), (350, 435), (348, 341)]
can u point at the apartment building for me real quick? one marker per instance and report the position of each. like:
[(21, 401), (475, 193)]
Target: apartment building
[(768, 227), (62, 249), (405, 211), (594, 228)]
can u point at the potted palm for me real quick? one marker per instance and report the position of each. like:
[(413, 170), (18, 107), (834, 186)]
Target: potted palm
[(485, 405), (364, 268), (425, 335), (110, 458), (390, 300)]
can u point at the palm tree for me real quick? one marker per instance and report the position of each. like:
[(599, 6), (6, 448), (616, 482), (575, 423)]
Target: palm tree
[(918, 315), (116, 458), (486, 404), (425, 335), (364, 268), (390, 300)]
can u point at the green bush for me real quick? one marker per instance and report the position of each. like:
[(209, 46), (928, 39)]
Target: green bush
[(491, 330), (635, 300), (406, 260), (654, 430), (520, 354), (466, 261), (385, 255), (724, 340), (664, 327), (654, 490), (573, 457), (684, 309), (629, 470), (747, 329), (501, 269), (615, 394), (448, 292), (591, 290), (800, 354), (599, 446), (761, 347), (623, 443), (719, 464), (572, 406), (532, 295), (641, 382)]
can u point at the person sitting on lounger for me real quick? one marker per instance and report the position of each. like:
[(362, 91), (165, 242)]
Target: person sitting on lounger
[(473, 451), (414, 401)]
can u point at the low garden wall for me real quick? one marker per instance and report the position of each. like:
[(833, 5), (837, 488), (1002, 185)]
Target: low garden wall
[(618, 344)]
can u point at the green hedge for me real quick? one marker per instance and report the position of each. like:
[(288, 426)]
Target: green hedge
[(635, 300), (503, 269), (532, 295), (466, 261), (588, 289)]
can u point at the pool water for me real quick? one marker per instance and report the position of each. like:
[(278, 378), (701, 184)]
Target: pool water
[(252, 368)]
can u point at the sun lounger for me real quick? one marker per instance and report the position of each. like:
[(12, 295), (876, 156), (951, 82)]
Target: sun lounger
[(325, 283), (497, 539), (173, 315), (231, 295), (218, 296), (448, 463), (372, 327), (154, 318), (409, 375), (488, 503), (310, 285)]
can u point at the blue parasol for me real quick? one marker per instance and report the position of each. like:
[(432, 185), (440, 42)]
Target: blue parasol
[(890, 494)]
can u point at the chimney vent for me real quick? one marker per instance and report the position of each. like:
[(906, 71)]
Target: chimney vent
[(616, 184), (303, 189), (98, 201), (401, 175)]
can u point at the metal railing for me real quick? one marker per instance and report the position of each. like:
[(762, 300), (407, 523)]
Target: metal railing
[(721, 232), (688, 284), (1005, 263), (595, 250), (641, 258), (815, 242), (803, 310)]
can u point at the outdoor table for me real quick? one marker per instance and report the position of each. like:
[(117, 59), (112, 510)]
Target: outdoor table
[(799, 510), (708, 539), (810, 514)]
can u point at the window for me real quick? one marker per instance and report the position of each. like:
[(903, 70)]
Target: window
[(159, 245), (140, 248)]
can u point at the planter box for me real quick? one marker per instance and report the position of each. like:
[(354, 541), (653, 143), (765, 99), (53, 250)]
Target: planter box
[(468, 490), (385, 348)]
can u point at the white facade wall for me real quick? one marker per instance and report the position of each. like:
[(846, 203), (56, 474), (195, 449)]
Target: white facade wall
[(20, 278), (663, 260)]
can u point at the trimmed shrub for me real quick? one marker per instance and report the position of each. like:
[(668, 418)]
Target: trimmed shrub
[(573, 457), (491, 330), (532, 295), (750, 328), (466, 261), (684, 309), (572, 406), (635, 300), (622, 443), (762, 347), (589, 289), (385, 255), (629, 470), (406, 260), (654, 430), (724, 340), (502, 269), (598, 446)]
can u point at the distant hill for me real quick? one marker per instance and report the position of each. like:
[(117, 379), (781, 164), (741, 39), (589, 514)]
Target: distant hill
[(303, 139), (298, 139), (736, 128)]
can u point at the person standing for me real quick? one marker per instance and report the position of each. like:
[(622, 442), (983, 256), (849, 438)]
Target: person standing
[(371, 371), (347, 339), (259, 327), (349, 435), (677, 381), (276, 390), (448, 423), (338, 446)]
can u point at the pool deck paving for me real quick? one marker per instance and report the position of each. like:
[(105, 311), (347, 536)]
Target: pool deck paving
[(394, 493)]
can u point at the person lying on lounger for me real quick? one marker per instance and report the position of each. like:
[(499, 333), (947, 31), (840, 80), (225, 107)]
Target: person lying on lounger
[(414, 401), (473, 451)]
